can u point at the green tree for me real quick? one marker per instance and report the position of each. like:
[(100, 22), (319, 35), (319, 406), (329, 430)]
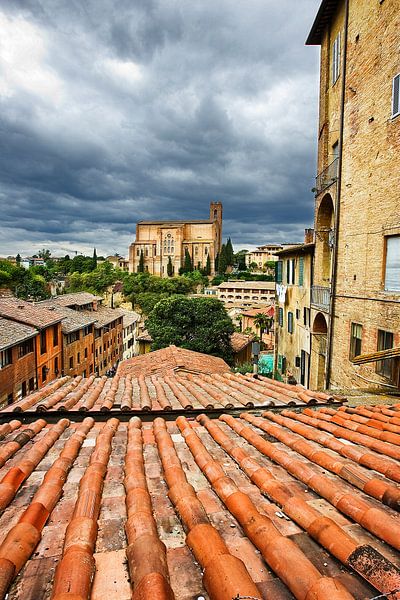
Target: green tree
[(170, 268), (141, 263), (199, 324), (18, 259), (230, 257), (240, 260), (187, 263), (208, 266), (222, 260), (94, 258), (263, 322), (45, 254)]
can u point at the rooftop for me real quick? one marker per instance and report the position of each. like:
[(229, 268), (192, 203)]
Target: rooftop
[(76, 299), (71, 319), (164, 387), (103, 315), (12, 333), (297, 249), (265, 310), (173, 358), (281, 506), (240, 340), (247, 285), (29, 313), (324, 15), (167, 223), (129, 317)]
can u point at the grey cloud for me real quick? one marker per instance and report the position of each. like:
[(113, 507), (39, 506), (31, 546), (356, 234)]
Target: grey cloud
[(154, 109)]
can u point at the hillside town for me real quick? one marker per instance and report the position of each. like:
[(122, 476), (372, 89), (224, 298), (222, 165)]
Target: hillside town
[(206, 418)]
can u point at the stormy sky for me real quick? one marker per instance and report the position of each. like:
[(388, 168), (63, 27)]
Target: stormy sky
[(112, 112)]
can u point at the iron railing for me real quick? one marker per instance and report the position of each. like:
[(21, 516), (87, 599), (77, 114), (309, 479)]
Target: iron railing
[(320, 297), (327, 177)]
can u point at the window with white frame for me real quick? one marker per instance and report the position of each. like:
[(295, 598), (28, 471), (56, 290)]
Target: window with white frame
[(392, 264), (336, 59), (396, 96)]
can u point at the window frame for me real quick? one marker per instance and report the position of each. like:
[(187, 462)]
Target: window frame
[(385, 264), (353, 345), (290, 322), (396, 82), (335, 65), (384, 366)]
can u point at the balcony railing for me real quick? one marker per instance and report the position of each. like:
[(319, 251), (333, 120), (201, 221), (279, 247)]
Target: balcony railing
[(320, 297), (327, 177)]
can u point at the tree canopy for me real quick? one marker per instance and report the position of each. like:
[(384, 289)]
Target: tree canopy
[(199, 324)]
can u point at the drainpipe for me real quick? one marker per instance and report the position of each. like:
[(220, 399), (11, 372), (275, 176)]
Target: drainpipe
[(337, 207)]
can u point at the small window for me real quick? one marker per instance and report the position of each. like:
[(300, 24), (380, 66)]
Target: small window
[(385, 341), (396, 96), (336, 59), (78, 360), (5, 358), (301, 270), (25, 348), (355, 340), (56, 365), (44, 373), (306, 316), (23, 389), (31, 384), (392, 266), (290, 324), (280, 317), (43, 342), (55, 335), (86, 352), (297, 314), (71, 362), (290, 271), (137, 252)]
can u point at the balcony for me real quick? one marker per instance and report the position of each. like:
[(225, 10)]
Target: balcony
[(327, 177), (320, 297)]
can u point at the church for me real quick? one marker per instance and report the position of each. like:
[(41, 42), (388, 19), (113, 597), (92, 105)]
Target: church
[(161, 240)]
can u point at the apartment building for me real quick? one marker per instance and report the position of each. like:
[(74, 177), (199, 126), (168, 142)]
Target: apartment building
[(355, 298), (17, 362), (293, 336), (246, 292), (48, 341)]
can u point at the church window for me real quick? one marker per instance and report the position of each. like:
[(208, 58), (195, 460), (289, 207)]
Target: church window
[(147, 251), (206, 250), (196, 250), (137, 252)]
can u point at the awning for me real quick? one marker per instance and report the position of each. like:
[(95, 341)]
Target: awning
[(376, 356)]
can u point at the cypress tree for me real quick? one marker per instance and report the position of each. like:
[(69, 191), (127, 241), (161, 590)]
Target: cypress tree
[(187, 265), (169, 267), (208, 265), (222, 261), (94, 258), (141, 263), (229, 253), (216, 261)]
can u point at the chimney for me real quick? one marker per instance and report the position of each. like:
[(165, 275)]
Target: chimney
[(308, 236)]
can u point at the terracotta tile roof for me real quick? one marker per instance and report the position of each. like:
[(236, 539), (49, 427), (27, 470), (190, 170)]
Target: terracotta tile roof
[(76, 299), (171, 358), (129, 317), (247, 285), (265, 507), (28, 312), (145, 337), (103, 315), (240, 341), (265, 310), (165, 389), (12, 333), (72, 319)]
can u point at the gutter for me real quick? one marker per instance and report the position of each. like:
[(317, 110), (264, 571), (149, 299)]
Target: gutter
[(332, 302)]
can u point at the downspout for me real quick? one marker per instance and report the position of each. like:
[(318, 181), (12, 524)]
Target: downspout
[(337, 207)]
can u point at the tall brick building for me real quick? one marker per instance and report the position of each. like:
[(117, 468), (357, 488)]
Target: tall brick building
[(160, 241), (357, 202)]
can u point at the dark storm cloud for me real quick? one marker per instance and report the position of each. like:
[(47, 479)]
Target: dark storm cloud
[(115, 112)]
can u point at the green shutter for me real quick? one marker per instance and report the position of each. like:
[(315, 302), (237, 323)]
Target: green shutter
[(278, 271), (281, 317), (301, 270)]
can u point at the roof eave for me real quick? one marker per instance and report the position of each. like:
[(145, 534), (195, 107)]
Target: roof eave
[(324, 15)]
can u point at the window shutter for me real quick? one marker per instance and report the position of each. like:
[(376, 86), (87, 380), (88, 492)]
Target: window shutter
[(301, 270), (281, 317), (290, 322), (278, 271), (396, 96)]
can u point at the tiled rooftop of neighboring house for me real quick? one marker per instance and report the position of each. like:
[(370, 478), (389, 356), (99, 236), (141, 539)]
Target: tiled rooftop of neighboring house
[(247, 285), (103, 315), (165, 390), (76, 299), (13, 333), (265, 310), (240, 340), (129, 317), (28, 312), (290, 505), (172, 358), (72, 319)]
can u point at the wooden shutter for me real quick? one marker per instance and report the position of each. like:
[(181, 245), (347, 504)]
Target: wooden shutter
[(280, 316), (278, 271), (301, 270), (290, 322), (396, 96)]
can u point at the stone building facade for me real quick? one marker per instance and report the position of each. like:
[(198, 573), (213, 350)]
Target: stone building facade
[(357, 203), (160, 241), (17, 361)]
